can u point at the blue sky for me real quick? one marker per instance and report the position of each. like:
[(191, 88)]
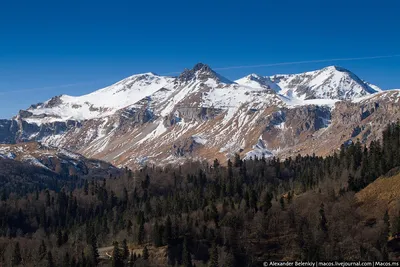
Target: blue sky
[(73, 47)]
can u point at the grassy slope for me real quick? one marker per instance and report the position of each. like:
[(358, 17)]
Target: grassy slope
[(382, 194)]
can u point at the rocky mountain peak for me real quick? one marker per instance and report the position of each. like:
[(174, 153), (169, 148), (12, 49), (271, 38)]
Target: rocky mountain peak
[(202, 68), (335, 68), (201, 72)]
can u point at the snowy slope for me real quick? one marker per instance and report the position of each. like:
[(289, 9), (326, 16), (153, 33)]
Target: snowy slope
[(165, 92), (328, 83), (257, 81), (101, 103), (151, 118)]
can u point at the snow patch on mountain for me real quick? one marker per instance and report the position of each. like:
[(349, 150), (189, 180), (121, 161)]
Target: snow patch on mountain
[(257, 81), (259, 151), (101, 103), (328, 83), (199, 139)]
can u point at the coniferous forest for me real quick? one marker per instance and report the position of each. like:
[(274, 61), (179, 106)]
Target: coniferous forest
[(201, 214)]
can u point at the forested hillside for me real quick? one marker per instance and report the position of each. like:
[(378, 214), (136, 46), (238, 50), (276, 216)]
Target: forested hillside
[(197, 214)]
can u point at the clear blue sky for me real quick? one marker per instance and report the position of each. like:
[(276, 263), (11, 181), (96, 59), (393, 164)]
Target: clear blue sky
[(73, 47)]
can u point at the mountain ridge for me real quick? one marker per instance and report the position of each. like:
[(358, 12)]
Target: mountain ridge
[(202, 115)]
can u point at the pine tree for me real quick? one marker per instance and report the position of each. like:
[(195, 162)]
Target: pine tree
[(129, 227), (116, 256), (322, 219), (94, 252), (290, 197), (141, 232), (186, 257), (157, 235), (230, 170), (385, 235), (86, 187), (253, 200), (65, 237), (59, 238), (125, 249), (266, 203), (67, 260), (282, 203), (229, 260), (132, 259), (50, 262), (237, 161), (168, 230), (42, 249), (397, 225), (213, 262), (16, 256), (216, 164), (47, 193), (83, 258), (145, 253)]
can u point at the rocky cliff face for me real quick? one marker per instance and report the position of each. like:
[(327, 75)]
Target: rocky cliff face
[(57, 160), (148, 118)]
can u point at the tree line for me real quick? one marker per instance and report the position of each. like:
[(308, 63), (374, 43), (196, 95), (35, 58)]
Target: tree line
[(201, 214)]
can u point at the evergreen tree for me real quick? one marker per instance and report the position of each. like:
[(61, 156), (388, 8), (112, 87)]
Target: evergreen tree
[(397, 225), (47, 194), (129, 227), (42, 249), (216, 164), (213, 262), (168, 230), (116, 256), (230, 260), (322, 219), (282, 203), (266, 204), (385, 235), (83, 260), (65, 237), (125, 249), (94, 252), (59, 238), (186, 257), (16, 256), (145, 253), (237, 161), (386, 231), (290, 197), (86, 187), (50, 261), (66, 261), (141, 232), (230, 169), (132, 259), (157, 233)]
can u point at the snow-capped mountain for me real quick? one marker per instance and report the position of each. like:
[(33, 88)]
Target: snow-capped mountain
[(101, 103), (257, 81), (328, 83), (203, 115)]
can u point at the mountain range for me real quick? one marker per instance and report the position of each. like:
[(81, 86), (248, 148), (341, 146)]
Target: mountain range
[(201, 115)]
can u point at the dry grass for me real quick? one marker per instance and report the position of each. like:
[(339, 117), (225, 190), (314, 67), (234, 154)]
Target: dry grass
[(381, 195)]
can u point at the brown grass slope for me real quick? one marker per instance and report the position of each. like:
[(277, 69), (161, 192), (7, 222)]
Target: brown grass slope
[(381, 195)]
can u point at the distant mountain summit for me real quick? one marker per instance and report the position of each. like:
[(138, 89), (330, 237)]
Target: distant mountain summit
[(328, 83), (148, 118), (201, 72)]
